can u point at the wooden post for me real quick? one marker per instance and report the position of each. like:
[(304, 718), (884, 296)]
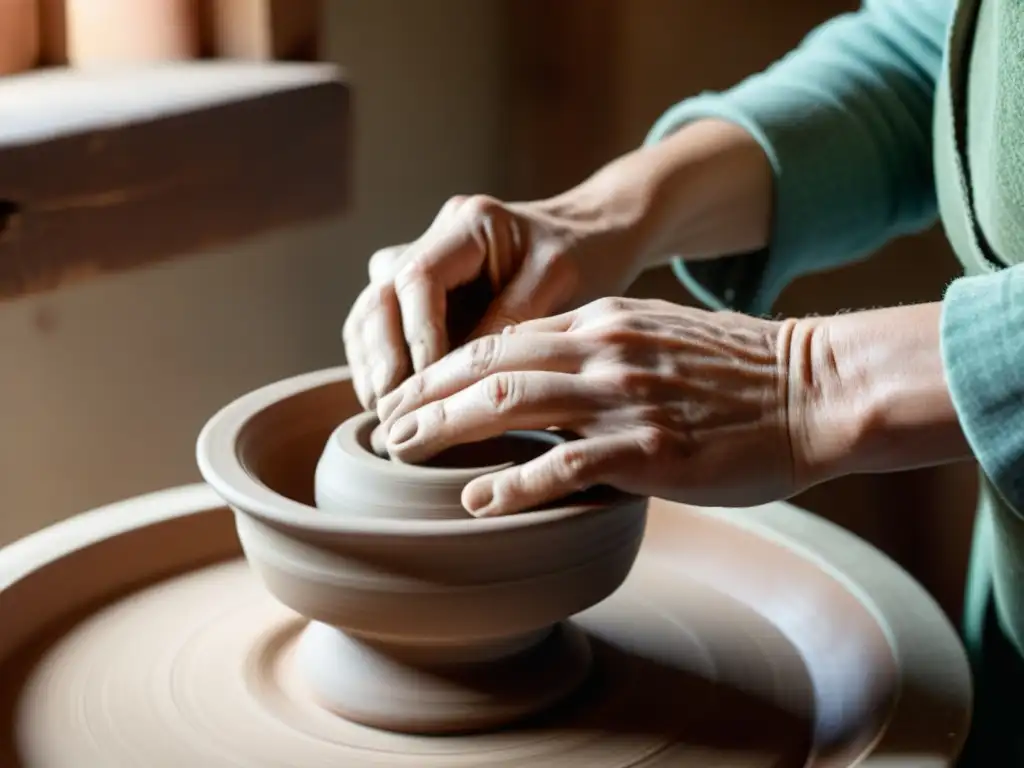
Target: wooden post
[(262, 30)]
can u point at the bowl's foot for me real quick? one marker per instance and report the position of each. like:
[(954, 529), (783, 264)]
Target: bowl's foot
[(413, 691)]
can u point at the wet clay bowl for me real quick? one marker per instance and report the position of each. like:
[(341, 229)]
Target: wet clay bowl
[(424, 619), (137, 635), (351, 479)]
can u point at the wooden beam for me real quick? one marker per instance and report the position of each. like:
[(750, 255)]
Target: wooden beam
[(106, 170)]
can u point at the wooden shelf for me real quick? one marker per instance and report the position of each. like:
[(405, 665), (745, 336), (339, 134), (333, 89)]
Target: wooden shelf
[(102, 171)]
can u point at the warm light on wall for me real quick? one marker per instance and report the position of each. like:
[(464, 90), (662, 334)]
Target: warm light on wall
[(89, 33)]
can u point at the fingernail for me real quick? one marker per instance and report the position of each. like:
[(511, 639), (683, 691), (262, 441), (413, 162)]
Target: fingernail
[(379, 442), (363, 391), (403, 430), (477, 498)]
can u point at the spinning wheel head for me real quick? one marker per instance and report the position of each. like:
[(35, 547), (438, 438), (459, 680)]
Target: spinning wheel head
[(748, 637)]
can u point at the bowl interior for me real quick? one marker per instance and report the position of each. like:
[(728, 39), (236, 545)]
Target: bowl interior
[(514, 447), (509, 448), (280, 444)]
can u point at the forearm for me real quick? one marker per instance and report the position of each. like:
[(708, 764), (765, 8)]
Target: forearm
[(878, 398), (705, 191), (821, 159), (845, 124)]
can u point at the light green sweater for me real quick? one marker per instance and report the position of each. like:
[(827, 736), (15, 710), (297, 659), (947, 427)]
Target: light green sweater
[(877, 121)]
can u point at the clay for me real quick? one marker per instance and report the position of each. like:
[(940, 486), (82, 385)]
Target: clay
[(425, 620), (353, 478), (136, 635)]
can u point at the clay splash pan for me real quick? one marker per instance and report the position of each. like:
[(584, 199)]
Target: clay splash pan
[(137, 635)]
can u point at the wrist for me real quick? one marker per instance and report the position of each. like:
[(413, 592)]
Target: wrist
[(871, 394), (704, 191), (714, 194)]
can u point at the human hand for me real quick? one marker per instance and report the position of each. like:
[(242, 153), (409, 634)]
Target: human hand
[(668, 401), (541, 257)]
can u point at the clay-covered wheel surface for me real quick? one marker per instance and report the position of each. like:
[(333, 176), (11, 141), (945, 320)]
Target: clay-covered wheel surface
[(135, 635)]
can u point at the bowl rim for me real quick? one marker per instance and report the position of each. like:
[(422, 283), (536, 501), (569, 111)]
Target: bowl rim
[(221, 468), (433, 475)]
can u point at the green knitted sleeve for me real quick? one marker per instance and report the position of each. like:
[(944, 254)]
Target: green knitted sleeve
[(983, 356), (846, 121)]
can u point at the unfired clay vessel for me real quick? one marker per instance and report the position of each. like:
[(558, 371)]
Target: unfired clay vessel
[(352, 479), (424, 619), (138, 635)]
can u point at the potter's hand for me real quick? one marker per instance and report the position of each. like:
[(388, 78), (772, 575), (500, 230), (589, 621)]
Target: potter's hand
[(541, 257), (669, 401), (703, 192)]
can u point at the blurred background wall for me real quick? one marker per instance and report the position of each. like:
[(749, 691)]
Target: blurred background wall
[(105, 385)]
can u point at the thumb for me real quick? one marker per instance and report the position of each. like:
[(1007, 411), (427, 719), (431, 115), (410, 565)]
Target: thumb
[(535, 291)]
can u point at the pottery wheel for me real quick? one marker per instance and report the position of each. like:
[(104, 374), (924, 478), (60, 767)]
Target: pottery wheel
[(136, 636)]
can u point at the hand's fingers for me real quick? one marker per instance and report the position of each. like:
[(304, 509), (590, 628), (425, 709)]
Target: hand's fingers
[(381, 332), (534, 292), (589, 315), (477, 360), (386, 262), (471, 236), (499, 403), (554, 324), (433, 267), (423, 307), (379, 441), (565, 469), (355, 352), (360, 382)]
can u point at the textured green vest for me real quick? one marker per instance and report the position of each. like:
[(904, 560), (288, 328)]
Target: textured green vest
[(979, 166)]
